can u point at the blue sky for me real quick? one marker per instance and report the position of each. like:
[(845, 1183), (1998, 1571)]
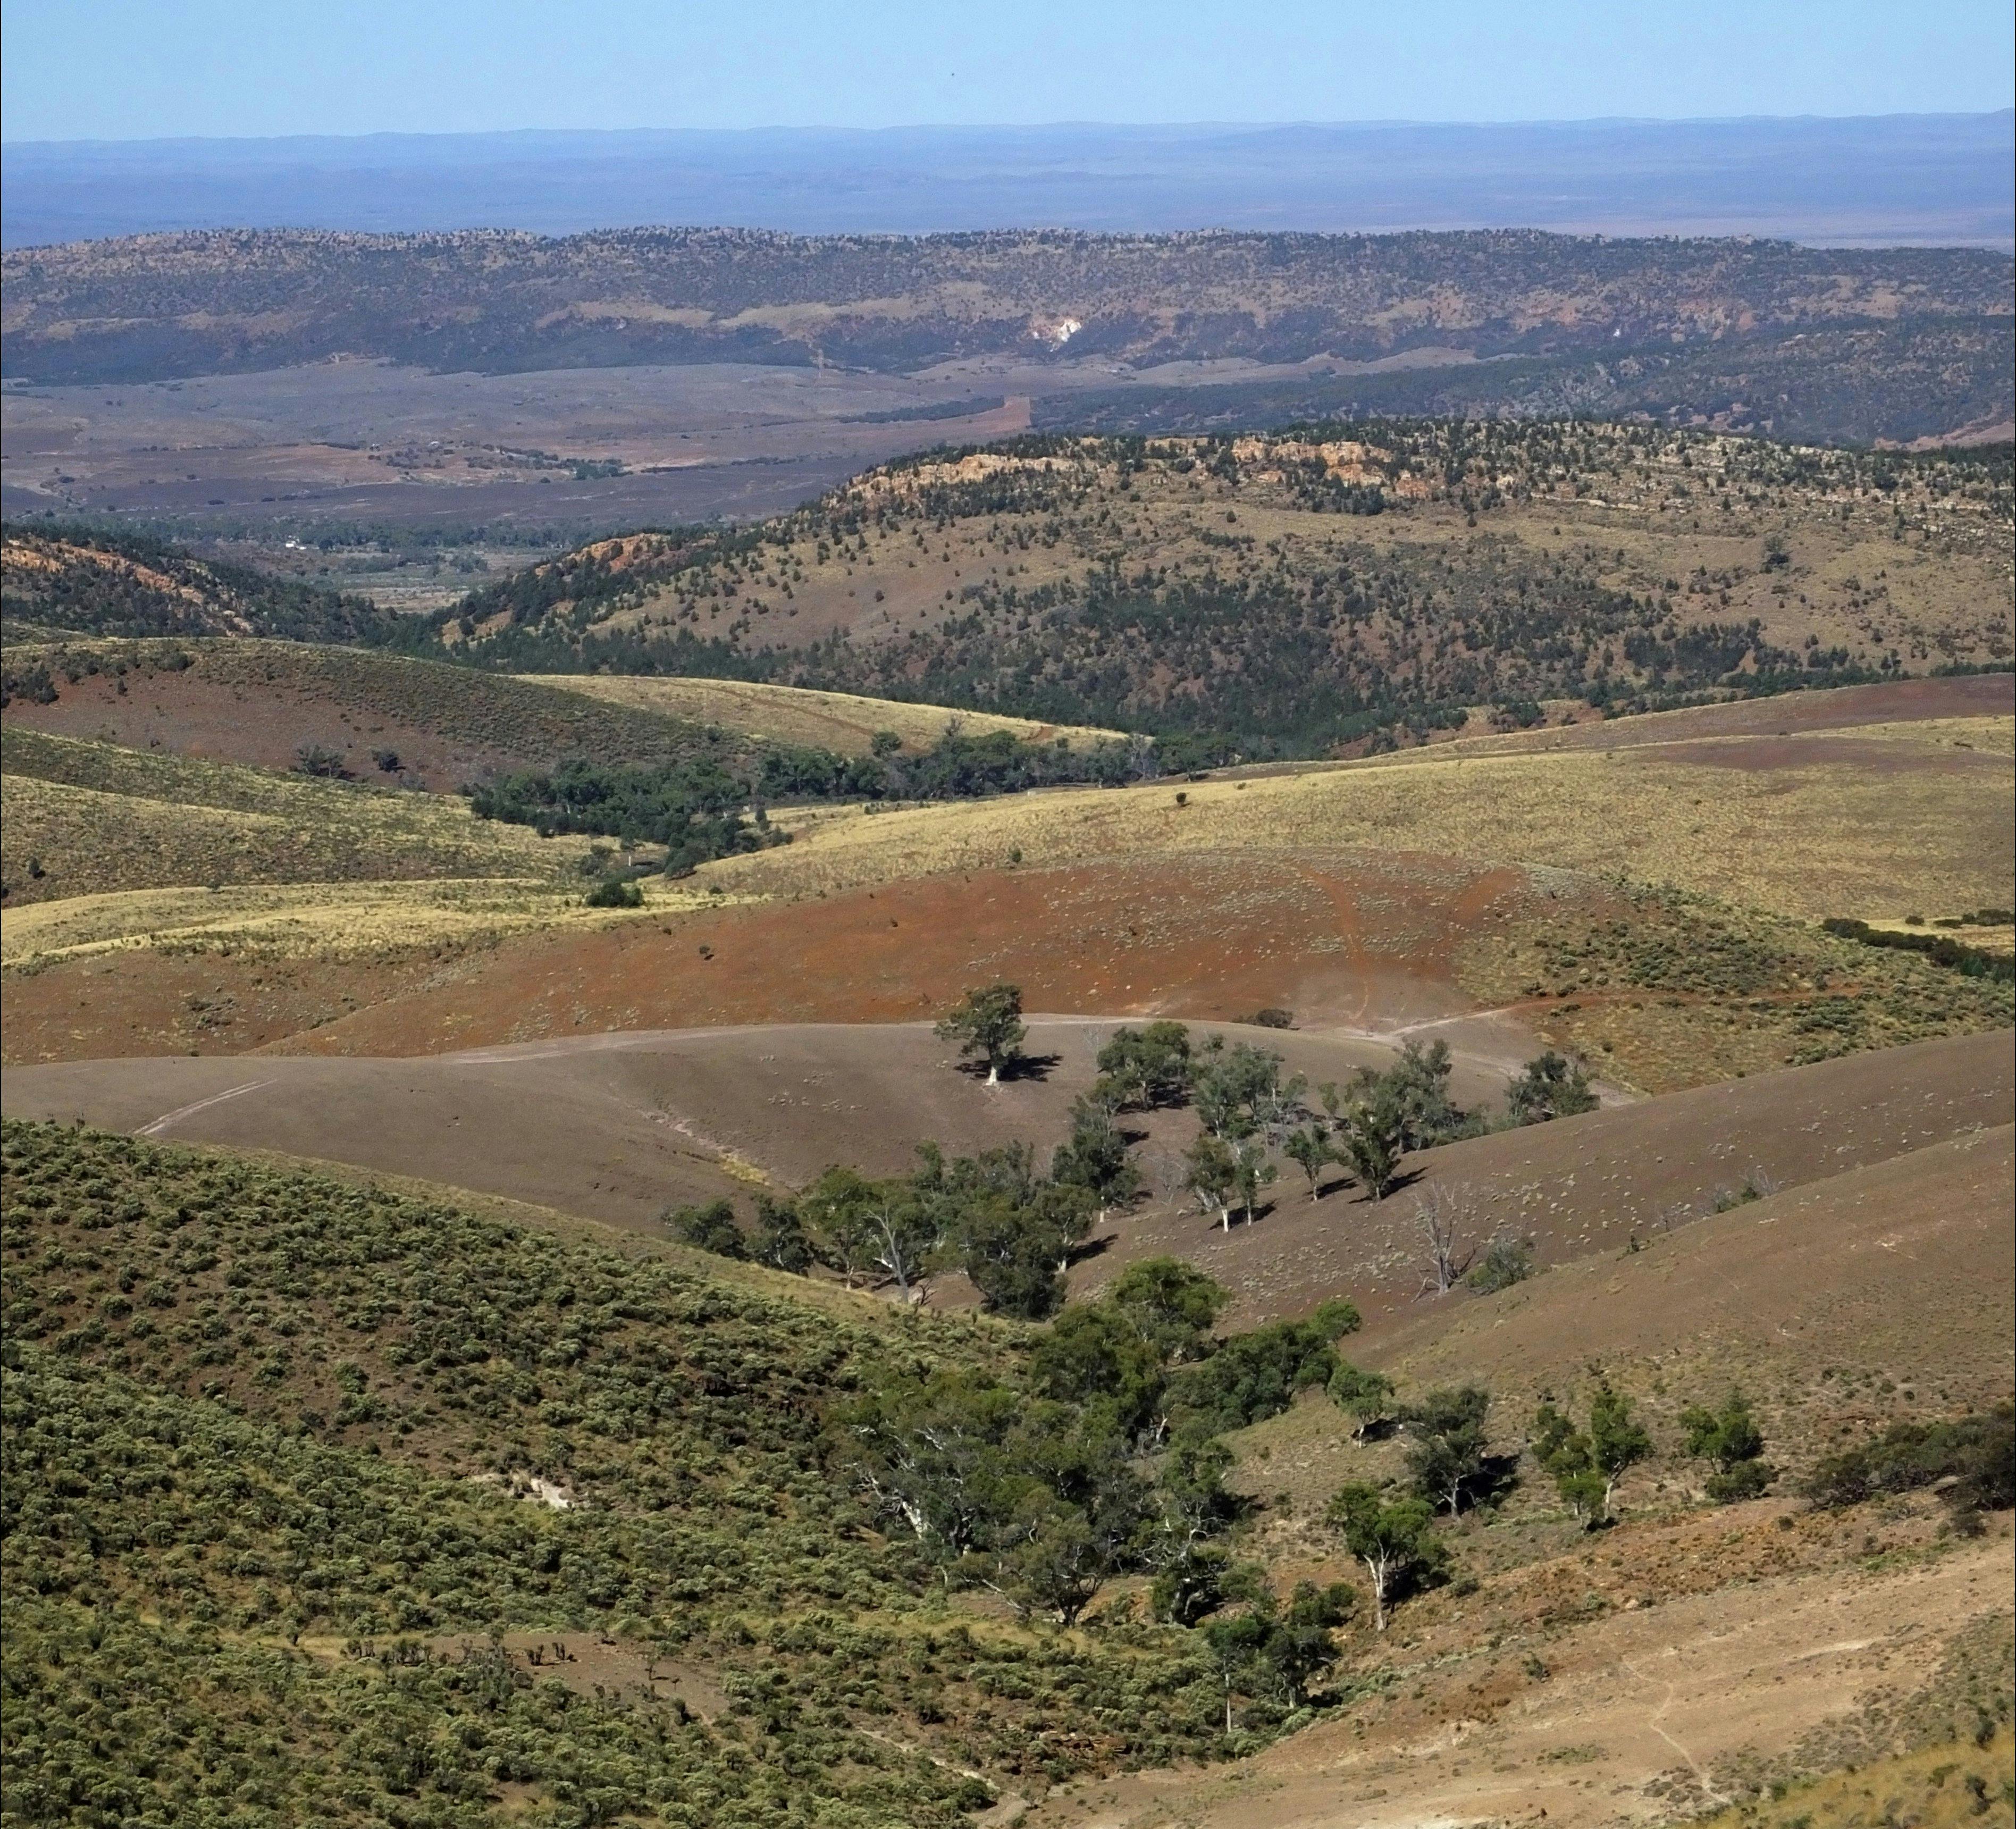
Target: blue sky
[(142, 69)]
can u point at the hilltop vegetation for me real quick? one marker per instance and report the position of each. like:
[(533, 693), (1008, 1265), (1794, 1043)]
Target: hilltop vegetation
[(1291, 594), (100, 581), (161, 306)]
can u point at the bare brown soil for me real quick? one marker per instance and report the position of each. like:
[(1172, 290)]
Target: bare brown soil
[(1812, 1275), (1587, 1187), (1691, 1656), (1640, 1705), (615, 1126), (156, 1001)]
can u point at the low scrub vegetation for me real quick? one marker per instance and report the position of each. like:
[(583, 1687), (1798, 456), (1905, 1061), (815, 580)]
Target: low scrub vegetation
[(1969, 1462), (85, 819), (267, 1435), (97, 580)]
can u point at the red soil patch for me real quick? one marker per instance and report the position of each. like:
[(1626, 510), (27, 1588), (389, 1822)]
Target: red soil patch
[(1338, 940), (152, 1003), (1870, 755), (1342, 940)]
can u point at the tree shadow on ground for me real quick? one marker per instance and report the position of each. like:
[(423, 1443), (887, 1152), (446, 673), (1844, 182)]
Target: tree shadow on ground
[(1036, 1067)]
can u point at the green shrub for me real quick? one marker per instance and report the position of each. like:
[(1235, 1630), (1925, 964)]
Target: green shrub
[(615, 892), (1971, 1459)]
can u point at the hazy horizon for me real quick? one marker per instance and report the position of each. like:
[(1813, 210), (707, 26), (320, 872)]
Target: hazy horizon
[(1883, 180)]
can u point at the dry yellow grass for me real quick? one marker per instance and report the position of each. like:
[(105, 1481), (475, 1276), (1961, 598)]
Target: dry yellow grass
[(323, 920), (1943, 1786), (84, 841), (788, 713), (82, 818), (1859, 837)]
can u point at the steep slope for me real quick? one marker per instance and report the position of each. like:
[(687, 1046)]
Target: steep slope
[(1902, 1263), (306, 1427)]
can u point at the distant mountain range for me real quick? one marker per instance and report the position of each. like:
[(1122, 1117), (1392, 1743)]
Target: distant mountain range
[(1891, 179), (151, 308)]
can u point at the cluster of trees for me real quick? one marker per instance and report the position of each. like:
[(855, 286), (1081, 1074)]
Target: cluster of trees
[(1105, 1458), (1970, 1461), (1012, 1229), (959, 766), (697, 810), (700, 809), (1941, 950), (1014, 1232)]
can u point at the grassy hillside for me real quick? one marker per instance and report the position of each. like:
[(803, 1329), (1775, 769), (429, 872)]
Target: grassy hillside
[(1298, 592), (844, 722), (1477, 876), (1899, 820), (87, 818), (289, 1412), (489, 1519), (263, 701)]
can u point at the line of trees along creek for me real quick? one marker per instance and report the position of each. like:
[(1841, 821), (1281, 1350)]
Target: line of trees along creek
[(1107, 1457), (702, 810)]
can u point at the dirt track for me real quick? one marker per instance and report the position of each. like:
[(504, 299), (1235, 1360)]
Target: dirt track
[(1657, 1696)]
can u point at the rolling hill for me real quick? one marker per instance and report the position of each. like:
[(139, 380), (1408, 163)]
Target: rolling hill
[(525, 1296), (1298, 593), (388, 717), (87, 818), (588, 1493)]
